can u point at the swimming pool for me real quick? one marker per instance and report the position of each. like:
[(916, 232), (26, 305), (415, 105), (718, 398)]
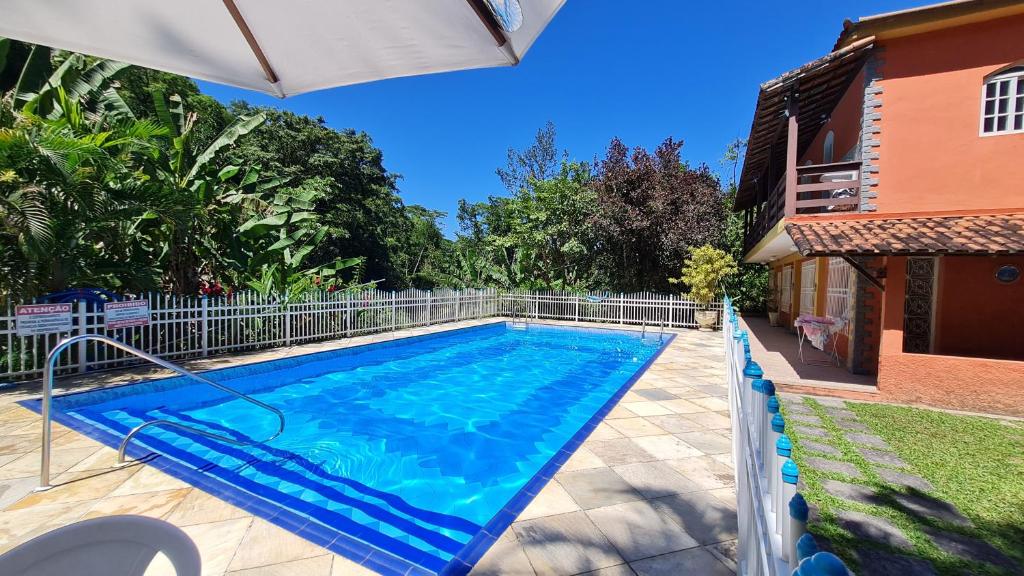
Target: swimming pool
[(409, 456)]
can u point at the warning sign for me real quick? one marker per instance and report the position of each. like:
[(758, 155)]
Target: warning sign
[(36, 319), (126, 314)]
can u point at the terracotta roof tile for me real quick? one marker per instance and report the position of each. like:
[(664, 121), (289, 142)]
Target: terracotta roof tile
[(987, 234)]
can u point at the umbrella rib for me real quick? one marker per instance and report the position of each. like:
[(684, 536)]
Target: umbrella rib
[(489, 21), (243, 27)]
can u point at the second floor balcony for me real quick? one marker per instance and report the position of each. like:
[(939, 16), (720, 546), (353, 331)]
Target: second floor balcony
[(793, 122), (810, 189)]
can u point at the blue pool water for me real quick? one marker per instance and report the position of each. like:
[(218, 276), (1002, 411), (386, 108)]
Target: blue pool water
[(410, 456)]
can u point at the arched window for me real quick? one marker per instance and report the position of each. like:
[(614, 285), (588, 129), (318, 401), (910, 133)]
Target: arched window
[(828, 154), (1002, 102)]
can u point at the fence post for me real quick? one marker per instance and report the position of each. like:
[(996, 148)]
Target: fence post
[(287, 323), (798, 514), (783, 450), (83, 352), (768, 390), (348, 314), (458, 306), (205, 326), (577, 313), (622, 308), (394, 311), (429, 313), (790, 476)]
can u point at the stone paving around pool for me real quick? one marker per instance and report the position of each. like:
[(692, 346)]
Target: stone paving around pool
[(882, 547), (649, 493)]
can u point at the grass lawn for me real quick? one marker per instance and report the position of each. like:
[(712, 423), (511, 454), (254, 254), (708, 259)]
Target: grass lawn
[(975, 463)]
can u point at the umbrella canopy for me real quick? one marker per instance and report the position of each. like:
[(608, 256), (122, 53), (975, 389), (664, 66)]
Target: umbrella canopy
[(287, 47)]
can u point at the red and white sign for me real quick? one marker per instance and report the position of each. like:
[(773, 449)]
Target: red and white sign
[(126, 314), (36, 319)]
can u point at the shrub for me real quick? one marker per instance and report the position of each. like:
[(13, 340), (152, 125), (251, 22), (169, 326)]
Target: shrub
[(703, 272)]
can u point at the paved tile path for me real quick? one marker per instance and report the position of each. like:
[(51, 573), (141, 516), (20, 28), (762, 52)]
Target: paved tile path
[(882, 548), (649, 493)]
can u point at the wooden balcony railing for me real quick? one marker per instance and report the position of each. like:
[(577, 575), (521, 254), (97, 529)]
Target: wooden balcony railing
[(816, 189), (824, 188)]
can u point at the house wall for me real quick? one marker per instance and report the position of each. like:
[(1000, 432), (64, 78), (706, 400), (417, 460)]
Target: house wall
[(931, 155), (844, 122), (844, 345), (976, 315), (972, 384)]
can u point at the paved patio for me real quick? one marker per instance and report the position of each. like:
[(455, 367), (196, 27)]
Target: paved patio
[(777, 351), (649, 493)]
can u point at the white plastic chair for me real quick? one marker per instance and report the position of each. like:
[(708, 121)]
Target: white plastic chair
[(108, 546)]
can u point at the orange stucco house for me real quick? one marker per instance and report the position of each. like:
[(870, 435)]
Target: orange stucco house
[(884, 185)]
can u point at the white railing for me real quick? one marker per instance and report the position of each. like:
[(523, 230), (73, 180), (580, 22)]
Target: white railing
[(772, 517), (643, 308), (195, 326)]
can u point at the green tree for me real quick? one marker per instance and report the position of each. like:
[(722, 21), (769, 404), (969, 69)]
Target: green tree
[(749, 286), (549, 229), (68, 194), (651, 208), (424, 245), (360, 206)]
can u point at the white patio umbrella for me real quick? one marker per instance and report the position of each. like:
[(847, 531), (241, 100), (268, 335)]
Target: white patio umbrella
[(286, 47)]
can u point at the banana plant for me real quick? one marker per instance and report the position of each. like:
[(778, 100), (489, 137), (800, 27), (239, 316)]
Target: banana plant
[(283, 235), (199, 197), (88, 82)]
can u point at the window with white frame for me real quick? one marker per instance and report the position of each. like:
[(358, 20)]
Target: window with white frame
[(838, 301), (786, 289), (1002, 102), (808, 286)]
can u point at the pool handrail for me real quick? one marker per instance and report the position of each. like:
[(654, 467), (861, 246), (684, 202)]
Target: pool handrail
[(48, 374)]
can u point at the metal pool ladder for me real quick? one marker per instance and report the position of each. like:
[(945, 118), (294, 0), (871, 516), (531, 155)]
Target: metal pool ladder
[(643, 331), (525, 322), (51, 360)]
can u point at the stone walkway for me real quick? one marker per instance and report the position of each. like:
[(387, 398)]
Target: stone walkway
[(649, 493), (866, 480)]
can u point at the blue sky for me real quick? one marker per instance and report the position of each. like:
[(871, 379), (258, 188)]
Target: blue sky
[(639, 70)]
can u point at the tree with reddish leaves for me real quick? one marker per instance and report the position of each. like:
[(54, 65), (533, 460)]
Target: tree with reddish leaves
[(650, 209)]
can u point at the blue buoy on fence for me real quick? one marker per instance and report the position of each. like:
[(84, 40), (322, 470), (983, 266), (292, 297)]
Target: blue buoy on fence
[(778, 425), (806, 547), (758, 385), (798, 508), (828, 564), (773, 404), (783, 447), (768, 387), (790, 472), (753, 370)]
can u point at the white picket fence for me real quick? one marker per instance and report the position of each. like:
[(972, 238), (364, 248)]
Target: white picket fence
[(195, 326), (772, 516), (639, 308)]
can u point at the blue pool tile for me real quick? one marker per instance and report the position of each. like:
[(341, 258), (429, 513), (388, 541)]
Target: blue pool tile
[(354, 550), (418, 571), (318, 534), (476, 548), (456, 568), (386, 564), (290, 520)]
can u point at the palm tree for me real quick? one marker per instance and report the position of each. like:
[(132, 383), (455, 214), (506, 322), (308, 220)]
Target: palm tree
[(62, 183)]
